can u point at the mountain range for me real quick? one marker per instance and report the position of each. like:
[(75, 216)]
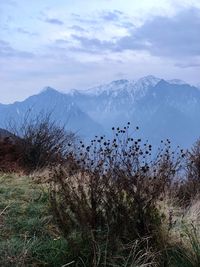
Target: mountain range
[(162, 109)]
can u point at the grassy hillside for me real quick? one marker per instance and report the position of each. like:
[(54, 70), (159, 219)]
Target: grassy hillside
[(27, 235), (112, 203)]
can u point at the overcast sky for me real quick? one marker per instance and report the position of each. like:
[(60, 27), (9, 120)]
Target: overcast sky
[(80, 43)]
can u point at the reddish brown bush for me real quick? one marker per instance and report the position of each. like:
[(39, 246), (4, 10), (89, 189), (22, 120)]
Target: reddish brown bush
[(10, 155), (42, 142)]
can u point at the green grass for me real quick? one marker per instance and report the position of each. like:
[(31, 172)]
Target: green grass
[(28, 236)]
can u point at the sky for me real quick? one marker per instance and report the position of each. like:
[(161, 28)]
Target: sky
[(77, 44)]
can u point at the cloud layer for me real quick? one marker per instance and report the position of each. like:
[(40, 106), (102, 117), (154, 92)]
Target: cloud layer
[(65, 45), (174, 37)]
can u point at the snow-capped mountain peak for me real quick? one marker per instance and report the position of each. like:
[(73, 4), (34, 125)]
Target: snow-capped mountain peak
[(110, 88), (135, 89), (148, 80), (141, 86), (49, 89)]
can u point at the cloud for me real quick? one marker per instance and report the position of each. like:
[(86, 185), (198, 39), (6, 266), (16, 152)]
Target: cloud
[(6, 51), (61, 41), (91, 45), (85, 46), (54, 21), (127, 24), (26, 32), (111, 15), (177, 36), (174, 37), (188, 65), (87, 21), (78, 28)]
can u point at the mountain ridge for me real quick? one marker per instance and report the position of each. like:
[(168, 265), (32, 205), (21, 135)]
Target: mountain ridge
[(155, 104)]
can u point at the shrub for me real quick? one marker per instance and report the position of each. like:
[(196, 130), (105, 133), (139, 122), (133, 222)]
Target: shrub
[(10, 153), (190, 186), (42, 141), (112, 195)]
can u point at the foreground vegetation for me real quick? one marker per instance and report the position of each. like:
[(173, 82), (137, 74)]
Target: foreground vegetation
[(27, 235), (114, 202), (30, 236)]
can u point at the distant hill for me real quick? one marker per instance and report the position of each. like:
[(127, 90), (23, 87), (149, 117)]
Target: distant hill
[(162, 109), (63, 110)]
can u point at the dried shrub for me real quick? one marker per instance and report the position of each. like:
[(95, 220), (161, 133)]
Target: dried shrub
[(112, 191), (189, 188), (42, 141)]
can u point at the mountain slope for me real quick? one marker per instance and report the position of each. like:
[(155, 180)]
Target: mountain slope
[(170, 111), (62, 108)]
